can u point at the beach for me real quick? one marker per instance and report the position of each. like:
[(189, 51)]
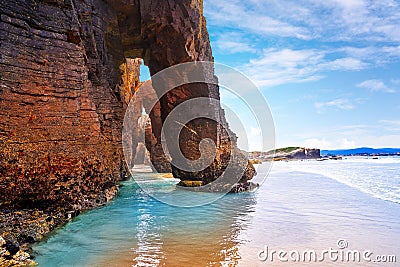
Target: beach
[(94, 92), (298, 208)]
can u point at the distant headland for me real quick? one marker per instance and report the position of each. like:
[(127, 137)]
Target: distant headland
[(287, 153), (300, 153), (362, 151)]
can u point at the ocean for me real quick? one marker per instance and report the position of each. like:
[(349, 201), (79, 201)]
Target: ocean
[(349, 205)]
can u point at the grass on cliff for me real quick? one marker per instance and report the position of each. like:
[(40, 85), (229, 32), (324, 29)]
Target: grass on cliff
[(285, 149)]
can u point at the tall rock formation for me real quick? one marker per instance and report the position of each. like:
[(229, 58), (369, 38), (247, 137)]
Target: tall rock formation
[(61, 108), (65, 82)]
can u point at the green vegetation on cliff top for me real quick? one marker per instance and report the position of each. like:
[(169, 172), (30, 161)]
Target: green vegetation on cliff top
[(285, 149), (281, 150)]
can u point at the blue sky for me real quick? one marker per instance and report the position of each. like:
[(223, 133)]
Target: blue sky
[(330, 70)]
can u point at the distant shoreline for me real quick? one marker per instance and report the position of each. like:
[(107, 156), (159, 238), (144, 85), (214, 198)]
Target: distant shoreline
[(322, 158), (363, 151), (302, 153)]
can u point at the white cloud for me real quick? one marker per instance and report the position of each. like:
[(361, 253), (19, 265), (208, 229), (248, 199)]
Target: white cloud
[(288, 58), (295, 41), (323, 143), (391, 51), (232, 47), (351, 4), (385, 140), (335, 141), (238, 14), (395, 81), (332, 20), (390, 125), (376, 86), (352, 20), (345, 136), (250, 26), (347, 63), (344, 142), (231, 43), (316, 143), (254, 136), (340, 103), (352, 136), (374, 55), (275, 67), (249, 138)]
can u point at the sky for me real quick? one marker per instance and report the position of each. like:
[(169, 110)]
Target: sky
[(329, 70)]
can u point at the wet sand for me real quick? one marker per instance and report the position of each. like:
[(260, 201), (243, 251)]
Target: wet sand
[(291, 211)]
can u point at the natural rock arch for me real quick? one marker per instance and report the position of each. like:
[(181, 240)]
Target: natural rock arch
[(63, 93)]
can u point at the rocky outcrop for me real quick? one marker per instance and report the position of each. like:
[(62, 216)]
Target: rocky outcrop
[(287, 153), (68, 69), (65, 82), (312, 153), (173, 34), (195, 42), (61, 110), (19, 228)]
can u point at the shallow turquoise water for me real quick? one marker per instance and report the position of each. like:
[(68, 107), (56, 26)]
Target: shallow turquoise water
[(144, 229), (292, 210)]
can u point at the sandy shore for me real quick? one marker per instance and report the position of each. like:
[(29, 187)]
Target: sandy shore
[(292, 211)]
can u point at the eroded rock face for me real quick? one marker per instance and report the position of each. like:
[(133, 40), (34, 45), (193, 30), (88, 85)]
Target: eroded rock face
[(61, 110), (184, 24), (304, 153), (64, 86), (287, 153)]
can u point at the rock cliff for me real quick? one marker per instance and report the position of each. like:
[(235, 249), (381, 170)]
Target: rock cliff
[(287, 153), (68, 69), (61, 107)]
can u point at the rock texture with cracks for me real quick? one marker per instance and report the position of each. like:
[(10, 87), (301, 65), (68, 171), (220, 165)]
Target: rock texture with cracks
[(65, 83)]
